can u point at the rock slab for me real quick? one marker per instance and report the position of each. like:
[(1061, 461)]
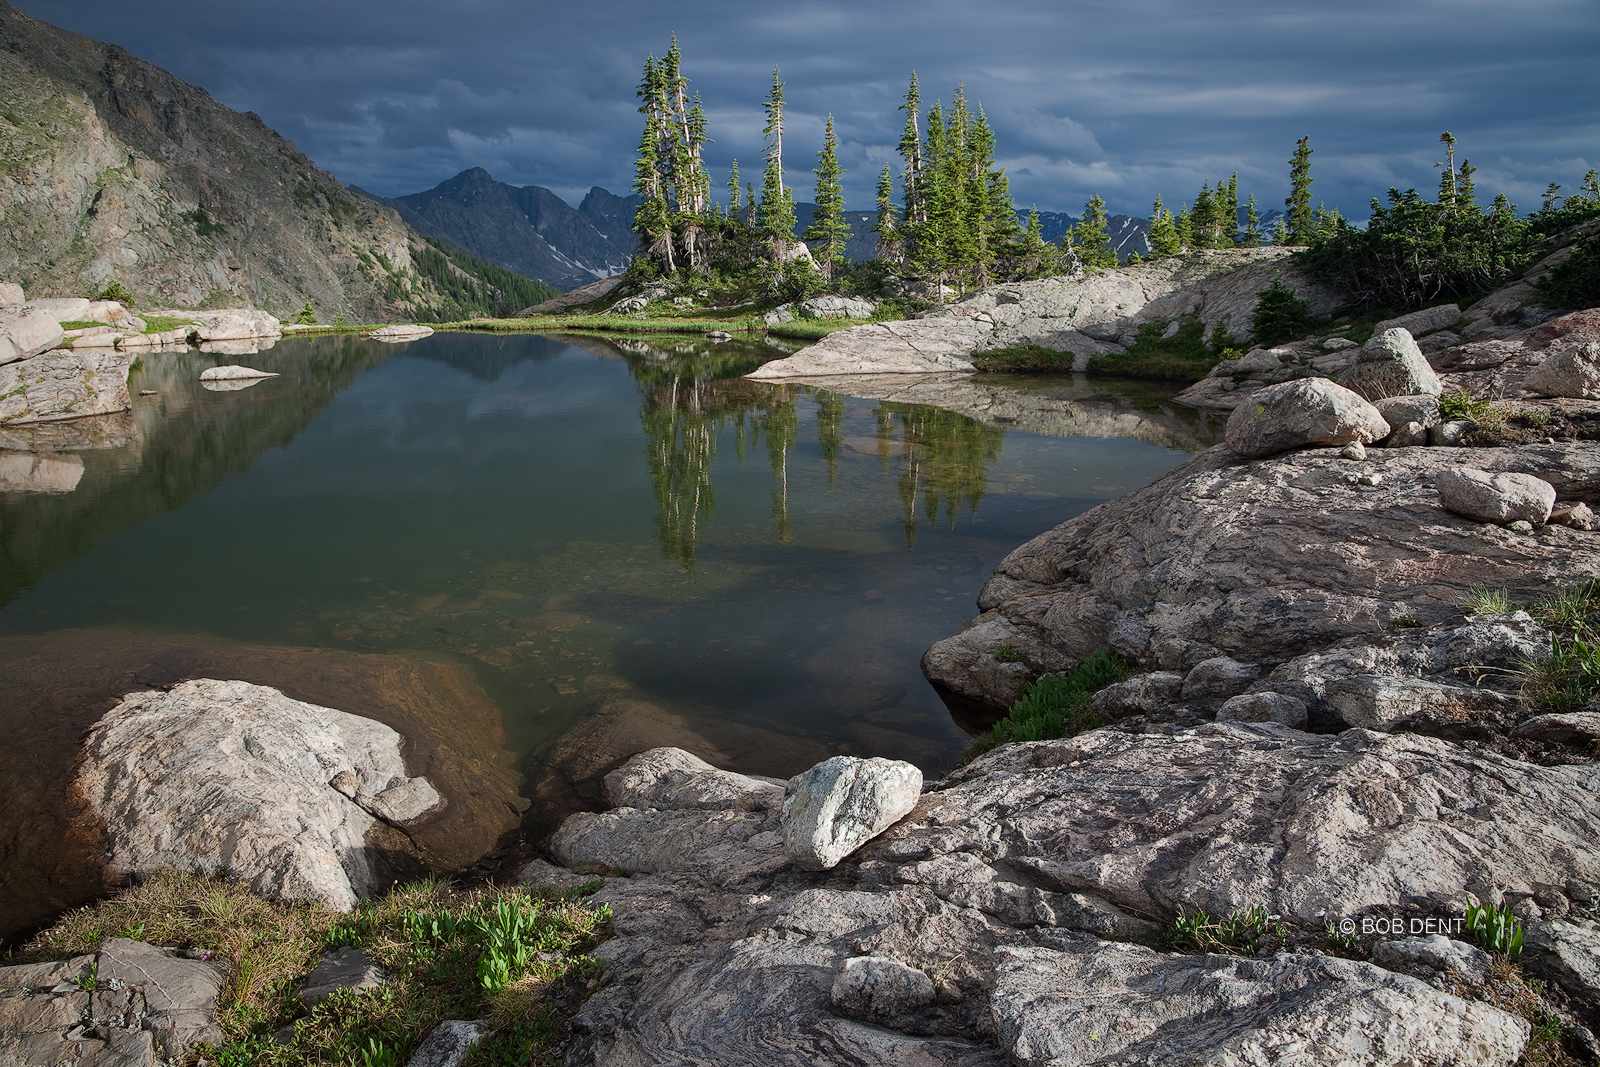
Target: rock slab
[(233, 373), (228, 776), (127, 1005), (841, 804), (1126, 1004), (64, 384), (26, 331)]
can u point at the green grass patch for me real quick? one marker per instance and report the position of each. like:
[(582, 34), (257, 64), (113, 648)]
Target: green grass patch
[(163, 323), (1183, 357), (604, 324), (1054, 705), (499, 953), (80, 324)]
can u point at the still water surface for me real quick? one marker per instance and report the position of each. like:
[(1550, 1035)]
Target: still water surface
[(577, 519)]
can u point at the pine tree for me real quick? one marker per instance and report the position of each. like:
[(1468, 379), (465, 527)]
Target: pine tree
[(828, 225), (733, 191), (669, 174), (1252, 224), (777, 206), (1447, 177), (1183, 224), (1280, 233), (652, 220), (1089, 237), (992, 215), (1163, 233), (910, 149), (887, 227), (1299, 199), (1203, 220), (1551, 197), (1591, 185), (1466, 193)]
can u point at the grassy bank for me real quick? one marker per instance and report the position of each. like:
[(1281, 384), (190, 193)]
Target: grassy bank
[(516, 956)]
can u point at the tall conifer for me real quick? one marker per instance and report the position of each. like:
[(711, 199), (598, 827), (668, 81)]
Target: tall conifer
[(828, 225), (1299, 199), (1252, 224), (777, 206), (890, 245), (1089, 237)]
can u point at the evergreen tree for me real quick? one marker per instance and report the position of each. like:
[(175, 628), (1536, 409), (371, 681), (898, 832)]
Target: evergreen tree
[(1299, 199), (828, 225), (1252, 224), (1280, 233), (1184, 227), (910, 149), (733, 191), (1466, 193), (1203, 221), (749, 203), (669, 174), (652, 220), (777, 206), (1229, 237), (1591, 185), (1089, 237), (1163, 232), (1551, 199), (888, 225), (1447, 177)]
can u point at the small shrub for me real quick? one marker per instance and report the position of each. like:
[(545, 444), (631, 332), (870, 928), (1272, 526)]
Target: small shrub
[(307, 316), (1459, 405), (1183, 357), (1575, 281), (1023, 359), (1495, 929), (1055, 705), (1007, 653), (1279, 315), (118, 292)]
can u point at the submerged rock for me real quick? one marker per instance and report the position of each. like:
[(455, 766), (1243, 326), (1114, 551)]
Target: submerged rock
[(233, 372), (234, 777), (401, 332)]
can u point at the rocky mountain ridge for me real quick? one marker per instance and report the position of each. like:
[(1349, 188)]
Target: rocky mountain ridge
[(529, 230)]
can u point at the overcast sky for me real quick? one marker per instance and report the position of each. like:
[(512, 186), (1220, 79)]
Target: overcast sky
[(1126, 99)]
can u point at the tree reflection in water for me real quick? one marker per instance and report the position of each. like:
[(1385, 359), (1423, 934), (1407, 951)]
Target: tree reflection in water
[(693, 396)]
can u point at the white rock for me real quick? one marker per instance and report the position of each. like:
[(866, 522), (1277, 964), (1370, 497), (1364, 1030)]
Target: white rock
[(838, 307), (1391, 364), (26, 331), (779, 315), (11, 293), (229, 776), (236, 324), (841, 804), (1264, 707), (1297, 414), (400, 332), (1571, 372), (222, 374), (876, 987), (64, 309), (1498, 498)]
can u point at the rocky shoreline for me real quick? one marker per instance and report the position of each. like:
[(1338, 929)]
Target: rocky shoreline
[(1318, 769)]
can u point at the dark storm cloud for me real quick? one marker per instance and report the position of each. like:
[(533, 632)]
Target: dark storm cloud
[(1124, 99)]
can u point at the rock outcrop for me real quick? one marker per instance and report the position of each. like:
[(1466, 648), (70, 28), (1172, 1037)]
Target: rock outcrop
[(1085, 316), (991, 924), (229, 776), (1309, 412), (1263, 561), (64, 384), (26, 331), (127, 1005)]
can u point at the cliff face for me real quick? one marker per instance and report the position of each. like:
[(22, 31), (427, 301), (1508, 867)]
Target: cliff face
[(113, 169)]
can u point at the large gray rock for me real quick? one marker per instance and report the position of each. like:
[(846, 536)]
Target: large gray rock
[(841, 804), (400, 332), (229, 776), (1581, 729), (1391, 364), (25, 331), (1571, 372), (1437, 954), (1080, 316), (1218, 678), (1266, 561), (146, 1007), (1409, 418), (1566, 953), (235, 324), (1126, 1004), (1499, 498), (875, 987), (11, 293), (1417, 323), (1142, 694), (1310, 412), (838, 307), (673, 778), (1265, 707), (64, 384)]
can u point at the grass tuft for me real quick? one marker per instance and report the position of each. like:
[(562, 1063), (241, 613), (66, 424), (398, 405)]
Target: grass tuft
[(1054, 705)]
